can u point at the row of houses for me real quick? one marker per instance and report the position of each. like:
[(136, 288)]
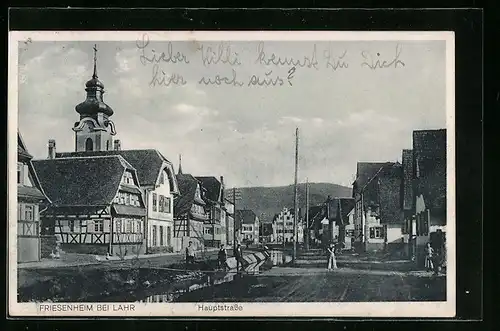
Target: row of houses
[(395, 207), (102, 199)]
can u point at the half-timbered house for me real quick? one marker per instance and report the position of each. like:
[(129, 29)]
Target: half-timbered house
[(215, 226), (30, 196), (159, 187), (97, 206), (190, 212)]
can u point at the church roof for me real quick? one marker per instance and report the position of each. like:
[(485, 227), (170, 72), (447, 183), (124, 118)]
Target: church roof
[(147, 162), (81, 181), (94, 104)]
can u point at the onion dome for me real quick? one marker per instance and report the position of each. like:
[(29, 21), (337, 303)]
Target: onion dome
[(94, 103)]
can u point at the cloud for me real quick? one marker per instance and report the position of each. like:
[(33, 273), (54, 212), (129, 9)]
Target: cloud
[(246, 135)]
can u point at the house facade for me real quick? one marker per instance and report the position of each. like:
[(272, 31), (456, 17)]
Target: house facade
[(265, 231), (230, 235), (190, 213), (158, 186), (100, 210), (215, 232), (249, 224), (283, 225), (30, 201), (429, 191), (378, 216), (318, 225)]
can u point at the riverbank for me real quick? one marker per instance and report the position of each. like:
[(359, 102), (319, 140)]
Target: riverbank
[(85, 282)]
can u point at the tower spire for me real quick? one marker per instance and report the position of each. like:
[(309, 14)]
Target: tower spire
[(95, 62), (180, 165)]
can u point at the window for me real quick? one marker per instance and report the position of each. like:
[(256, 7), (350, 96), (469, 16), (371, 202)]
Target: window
[(28, 213), (98, 226), (376, 232), (155, 231), (89, 145), (20, 175), (128, 226), (161, 206), (127, 199), (162, 178), (107, 145), (154, 202), (161, 235), (167, 205), (169, 234), (118, 225), (71, 226)]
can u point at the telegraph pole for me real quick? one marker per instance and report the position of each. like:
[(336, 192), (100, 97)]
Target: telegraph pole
[(295, 202), (306, 232), (235, 197)]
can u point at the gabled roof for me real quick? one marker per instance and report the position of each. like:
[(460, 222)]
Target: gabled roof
[(345, 207), (407, 179), (212, 186), (316, 215), (187, 187), (429, 151), (245, 216), (365, 171), (82, 181), (147, 162), (24, 156)]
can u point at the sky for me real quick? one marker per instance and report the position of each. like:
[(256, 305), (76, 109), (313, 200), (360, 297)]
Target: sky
[(245, 133)]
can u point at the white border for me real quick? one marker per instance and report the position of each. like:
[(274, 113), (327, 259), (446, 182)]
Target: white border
[(319, 309)]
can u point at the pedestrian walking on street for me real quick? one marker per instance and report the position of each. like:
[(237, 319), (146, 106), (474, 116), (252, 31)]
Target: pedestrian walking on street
[(222, 257), (190, 253), (239, 257), (332, 262), (429, 257)]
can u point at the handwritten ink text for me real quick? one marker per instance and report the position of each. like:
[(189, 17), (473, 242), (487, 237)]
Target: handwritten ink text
[(374, 62), (273, 59), (160, 78), (170, 56), (222, 54), (333, 62), (221, 80)]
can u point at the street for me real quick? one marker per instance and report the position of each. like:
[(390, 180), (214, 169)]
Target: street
[(313, 285)]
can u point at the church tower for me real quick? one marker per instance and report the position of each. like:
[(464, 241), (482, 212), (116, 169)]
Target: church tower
[(94, 131)]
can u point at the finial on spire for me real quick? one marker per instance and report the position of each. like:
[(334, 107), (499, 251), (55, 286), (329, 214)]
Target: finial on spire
[(95, 62), (180, 165)]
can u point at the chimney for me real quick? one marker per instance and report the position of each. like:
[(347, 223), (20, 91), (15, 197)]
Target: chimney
[(52, 149), (117, 145), (222, 188)]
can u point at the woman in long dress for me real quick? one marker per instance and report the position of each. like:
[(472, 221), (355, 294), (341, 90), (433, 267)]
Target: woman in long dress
[(332, 262)]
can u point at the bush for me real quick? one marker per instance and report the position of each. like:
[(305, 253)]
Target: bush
[(158, 250)]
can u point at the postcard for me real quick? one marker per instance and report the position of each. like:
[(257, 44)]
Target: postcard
[(234, 174)]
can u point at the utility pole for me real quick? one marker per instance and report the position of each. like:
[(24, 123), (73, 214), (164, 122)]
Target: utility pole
[(295, 202), (306, 232), (235, 197)]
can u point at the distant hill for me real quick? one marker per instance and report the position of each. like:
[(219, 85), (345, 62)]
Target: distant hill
[(268, 201)]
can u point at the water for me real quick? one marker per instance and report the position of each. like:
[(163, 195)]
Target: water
[(175, 292)]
